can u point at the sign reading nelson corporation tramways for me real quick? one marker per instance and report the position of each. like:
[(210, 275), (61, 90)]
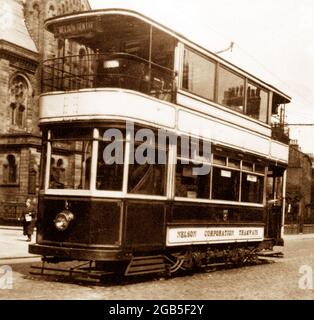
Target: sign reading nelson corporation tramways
[(183, 236)]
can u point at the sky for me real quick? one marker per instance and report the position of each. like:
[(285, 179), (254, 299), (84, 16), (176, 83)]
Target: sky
[(275, 39)]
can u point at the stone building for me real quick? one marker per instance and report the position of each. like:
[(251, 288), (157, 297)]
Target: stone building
[(23, 44), (299, 217)]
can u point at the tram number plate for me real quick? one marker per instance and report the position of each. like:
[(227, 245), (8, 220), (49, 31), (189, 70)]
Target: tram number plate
[(201, 235)]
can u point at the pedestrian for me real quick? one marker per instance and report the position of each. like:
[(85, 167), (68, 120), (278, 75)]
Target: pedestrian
[(28, 219)]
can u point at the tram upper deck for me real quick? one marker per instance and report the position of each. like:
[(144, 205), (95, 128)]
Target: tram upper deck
[(121, 51)]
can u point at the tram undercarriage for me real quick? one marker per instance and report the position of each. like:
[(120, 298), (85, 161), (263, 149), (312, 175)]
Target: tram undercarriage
[(167, 264)]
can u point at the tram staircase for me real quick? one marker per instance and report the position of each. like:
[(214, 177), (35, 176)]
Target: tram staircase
[(146, 265)]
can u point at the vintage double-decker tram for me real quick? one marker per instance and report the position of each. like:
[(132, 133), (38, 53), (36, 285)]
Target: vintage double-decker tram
[(154, 217)]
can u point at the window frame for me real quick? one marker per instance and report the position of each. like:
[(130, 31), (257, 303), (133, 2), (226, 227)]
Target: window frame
[(6, 169), (251, 82), (208, 59), (167, 165), (47, 165), (179, 156), (218, 88)]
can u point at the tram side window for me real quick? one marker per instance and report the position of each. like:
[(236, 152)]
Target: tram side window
[(189, 185), (193, 170), (199, 75), (231, 90), (252, 188), (148, 177), (226, 184), (257, 102)]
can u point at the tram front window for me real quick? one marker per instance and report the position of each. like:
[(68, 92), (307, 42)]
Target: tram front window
[(109, 175), (70, 162)]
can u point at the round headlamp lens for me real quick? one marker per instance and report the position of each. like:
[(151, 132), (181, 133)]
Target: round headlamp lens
[(63, 220)]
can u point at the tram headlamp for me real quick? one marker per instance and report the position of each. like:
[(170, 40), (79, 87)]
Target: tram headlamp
[(111, 64), (63, 219)]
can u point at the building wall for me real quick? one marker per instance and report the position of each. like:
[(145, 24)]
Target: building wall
[(4, 84), (299, 192)]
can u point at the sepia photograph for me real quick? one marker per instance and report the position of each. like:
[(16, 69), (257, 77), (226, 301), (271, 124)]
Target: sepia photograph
[(156, 151)]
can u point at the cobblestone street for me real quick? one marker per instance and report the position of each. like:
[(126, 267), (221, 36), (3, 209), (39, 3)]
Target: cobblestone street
[(276, 280)]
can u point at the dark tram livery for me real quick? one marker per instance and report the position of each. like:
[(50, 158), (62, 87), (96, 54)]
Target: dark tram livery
[(145, 218)]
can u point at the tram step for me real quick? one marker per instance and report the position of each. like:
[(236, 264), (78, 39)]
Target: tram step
[(277, 254), (146, 265)]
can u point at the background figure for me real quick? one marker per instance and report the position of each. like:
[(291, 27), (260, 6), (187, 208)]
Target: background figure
[(28, 219)]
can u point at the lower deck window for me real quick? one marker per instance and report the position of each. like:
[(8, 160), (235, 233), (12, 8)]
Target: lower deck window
[(252, 188), (199, 173), (189, 185), (148, 178), (226, 184)]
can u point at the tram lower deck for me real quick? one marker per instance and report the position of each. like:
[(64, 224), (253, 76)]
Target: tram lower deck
[(92, 208), (120, 230)]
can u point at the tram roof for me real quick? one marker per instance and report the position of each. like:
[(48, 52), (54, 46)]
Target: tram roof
[(232, 59)]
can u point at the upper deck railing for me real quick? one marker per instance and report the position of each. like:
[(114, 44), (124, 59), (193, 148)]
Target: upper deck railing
[(109, 70)]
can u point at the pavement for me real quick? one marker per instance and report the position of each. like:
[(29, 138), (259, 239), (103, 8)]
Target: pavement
[(14, 245)]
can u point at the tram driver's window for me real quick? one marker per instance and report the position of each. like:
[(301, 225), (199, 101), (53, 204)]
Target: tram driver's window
[(71, 151), (109, 176)]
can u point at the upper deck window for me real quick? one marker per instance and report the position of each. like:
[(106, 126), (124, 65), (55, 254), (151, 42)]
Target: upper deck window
[(199, 75), (231, 90), (224, 86), (257, 102), (162, 50)]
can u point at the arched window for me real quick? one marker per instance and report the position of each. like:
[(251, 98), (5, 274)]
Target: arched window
[(51, 11), (35, 21), (20, 115), (19, 94), (10, 170)]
